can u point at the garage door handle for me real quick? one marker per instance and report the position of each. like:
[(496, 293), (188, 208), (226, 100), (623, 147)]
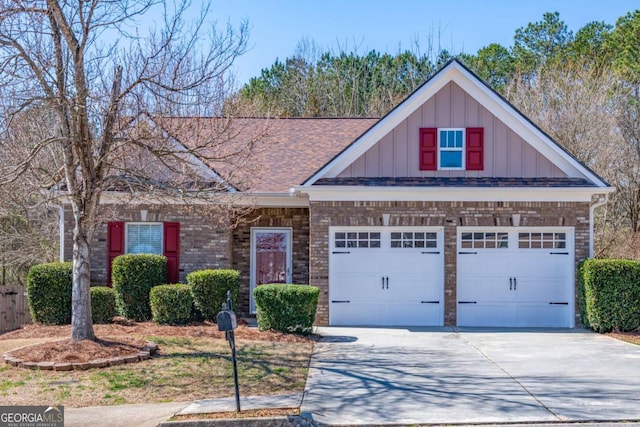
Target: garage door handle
[(467, 302), (382, 282), (510, 283), (558, 303), (559, 253), (429, 302), (340, 301), (387, 282), (431, 252), (515, 284), (340, 252), (467, 253)]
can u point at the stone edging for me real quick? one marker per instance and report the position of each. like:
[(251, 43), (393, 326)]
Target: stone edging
[(147, 351)]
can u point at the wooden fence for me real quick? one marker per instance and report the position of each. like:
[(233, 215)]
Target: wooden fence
[(14, 309)]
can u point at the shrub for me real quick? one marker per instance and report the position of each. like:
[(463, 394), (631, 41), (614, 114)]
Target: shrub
[(286, 308), (103, 304), (209, 289), (611, 294), (133, 276), (49, 288), (171, 304)]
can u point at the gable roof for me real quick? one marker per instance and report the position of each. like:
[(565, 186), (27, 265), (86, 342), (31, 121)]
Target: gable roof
[(454, 71)]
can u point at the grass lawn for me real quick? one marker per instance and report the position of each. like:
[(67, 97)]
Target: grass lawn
[(185, 368)]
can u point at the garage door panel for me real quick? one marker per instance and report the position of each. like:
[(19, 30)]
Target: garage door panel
[(357, 287), (515, 277), (360, 313), (542, 288), (386, 279), (421, 314), (542, 315), (485, 314), (356, 260)]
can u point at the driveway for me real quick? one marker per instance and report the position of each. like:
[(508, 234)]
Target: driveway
[(447, 375)]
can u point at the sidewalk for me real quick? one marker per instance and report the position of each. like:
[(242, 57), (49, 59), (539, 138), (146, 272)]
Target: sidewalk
[(154, 414)]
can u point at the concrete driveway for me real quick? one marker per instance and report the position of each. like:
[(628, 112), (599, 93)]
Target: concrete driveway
[(446, 375)]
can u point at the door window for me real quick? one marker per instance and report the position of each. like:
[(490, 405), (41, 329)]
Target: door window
[(271, 258), (485, 240)]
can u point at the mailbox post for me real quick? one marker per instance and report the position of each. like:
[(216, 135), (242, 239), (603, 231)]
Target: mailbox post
[(227, 322)]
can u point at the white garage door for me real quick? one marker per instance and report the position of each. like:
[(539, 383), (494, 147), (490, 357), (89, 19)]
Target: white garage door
[(386, 276), (515, 277)]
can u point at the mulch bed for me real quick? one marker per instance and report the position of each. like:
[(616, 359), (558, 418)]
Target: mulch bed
[(122, 339)]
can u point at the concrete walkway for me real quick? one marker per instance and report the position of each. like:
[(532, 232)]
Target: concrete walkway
[(403, 376)]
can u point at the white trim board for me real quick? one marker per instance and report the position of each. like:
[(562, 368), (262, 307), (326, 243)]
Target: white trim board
[(452, 194)]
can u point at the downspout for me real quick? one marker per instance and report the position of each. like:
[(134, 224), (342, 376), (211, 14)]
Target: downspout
[(61, 231), (602, 200)]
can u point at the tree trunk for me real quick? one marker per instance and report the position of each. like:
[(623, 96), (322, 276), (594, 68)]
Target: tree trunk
[(81, 322)]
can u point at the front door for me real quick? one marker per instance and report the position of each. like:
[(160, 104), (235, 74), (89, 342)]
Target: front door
[(270, 257)]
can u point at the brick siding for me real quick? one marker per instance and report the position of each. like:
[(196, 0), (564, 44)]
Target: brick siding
[(449, 215), (204, 240), (295, 218)]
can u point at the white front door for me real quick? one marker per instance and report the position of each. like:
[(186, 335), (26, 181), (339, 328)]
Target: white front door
[(386, 276), (521, 277), (270, 258)]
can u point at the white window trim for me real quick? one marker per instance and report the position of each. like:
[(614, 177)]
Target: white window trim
[(461, 149), (126, 234)]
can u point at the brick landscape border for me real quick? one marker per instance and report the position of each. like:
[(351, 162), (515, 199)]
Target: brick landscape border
[(147, 351)]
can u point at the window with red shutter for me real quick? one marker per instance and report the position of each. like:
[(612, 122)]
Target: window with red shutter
[(428, 149), (475, 149), (172, 250), (115, 244)]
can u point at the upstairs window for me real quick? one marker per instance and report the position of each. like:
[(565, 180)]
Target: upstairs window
[(451, 149)]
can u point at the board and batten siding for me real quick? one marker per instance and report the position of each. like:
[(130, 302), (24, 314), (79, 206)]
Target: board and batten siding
[(506, 154)]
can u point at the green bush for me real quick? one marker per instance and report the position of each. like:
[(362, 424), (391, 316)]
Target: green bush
[(133, 276), (286, 308), (171, 304), (49, 288), (103, 304), (611, 294), (209, 289)]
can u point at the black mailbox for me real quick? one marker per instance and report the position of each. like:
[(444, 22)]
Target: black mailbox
[(226, 320)]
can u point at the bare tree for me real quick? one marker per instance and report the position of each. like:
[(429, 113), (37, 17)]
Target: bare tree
[(587, 110), (102, 77)]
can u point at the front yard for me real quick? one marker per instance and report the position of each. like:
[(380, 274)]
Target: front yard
[(193, 362)]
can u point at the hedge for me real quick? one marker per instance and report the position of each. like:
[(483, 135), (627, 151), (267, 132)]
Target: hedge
[(286, 308), (49, 288), (610, 294), (132, 277), (209, 289), (171, 304), (103, 304)]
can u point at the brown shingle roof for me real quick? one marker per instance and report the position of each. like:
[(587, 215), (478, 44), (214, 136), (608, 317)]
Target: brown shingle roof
[(269, 155)]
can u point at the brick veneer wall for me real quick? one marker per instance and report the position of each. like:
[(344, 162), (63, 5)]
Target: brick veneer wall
[(449, 215), (204, 241), (295, 218)]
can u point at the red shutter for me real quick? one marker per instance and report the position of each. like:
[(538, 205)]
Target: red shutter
[(172, 250), (115, 244), (428, 149), (475, 149)]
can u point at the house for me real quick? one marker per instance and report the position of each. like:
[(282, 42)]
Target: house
[(453, 209)]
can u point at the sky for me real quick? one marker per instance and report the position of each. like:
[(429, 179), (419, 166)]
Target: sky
[(278, 26)]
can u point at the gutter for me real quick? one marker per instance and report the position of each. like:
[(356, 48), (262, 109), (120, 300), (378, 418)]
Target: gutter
[(602, 200)]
